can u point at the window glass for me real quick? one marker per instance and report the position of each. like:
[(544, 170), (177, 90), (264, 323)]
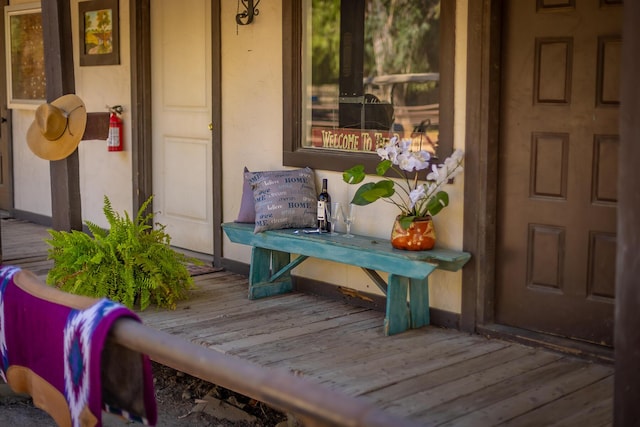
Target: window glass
[(370, 71), (357, 72)]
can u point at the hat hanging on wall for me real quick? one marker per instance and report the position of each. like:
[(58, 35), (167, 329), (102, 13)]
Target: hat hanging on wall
[(57, 128)]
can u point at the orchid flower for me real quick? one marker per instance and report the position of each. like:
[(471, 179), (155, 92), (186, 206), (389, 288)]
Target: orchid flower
[(413, 198)]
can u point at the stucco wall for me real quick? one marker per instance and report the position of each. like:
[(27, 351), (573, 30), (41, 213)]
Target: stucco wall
[(252, 136), (101, 172), (251, 104)]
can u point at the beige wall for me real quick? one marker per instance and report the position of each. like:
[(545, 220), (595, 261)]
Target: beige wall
[(251, 136), (103, 172)]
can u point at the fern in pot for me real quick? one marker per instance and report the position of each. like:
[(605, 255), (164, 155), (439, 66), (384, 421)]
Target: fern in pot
[(131, 263)]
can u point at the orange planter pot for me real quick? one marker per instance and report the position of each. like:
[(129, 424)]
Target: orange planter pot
[(420, 236)]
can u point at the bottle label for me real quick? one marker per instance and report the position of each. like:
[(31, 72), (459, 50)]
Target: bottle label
[(321, 210)]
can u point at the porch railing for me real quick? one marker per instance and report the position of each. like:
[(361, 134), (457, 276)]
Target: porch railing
[(311, 403)]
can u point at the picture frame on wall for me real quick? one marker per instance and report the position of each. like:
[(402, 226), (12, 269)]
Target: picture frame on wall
[(24, 48), (99, 32)]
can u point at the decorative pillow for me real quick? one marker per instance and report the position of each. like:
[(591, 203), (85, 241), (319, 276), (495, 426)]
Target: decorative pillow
[(247, 205), (283, 199)]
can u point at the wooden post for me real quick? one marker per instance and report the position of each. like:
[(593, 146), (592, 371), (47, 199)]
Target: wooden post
[(627, 321), (141, 143), (58, 61)]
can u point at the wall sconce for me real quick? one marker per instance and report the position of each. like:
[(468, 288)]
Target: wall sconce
[(250, 10)]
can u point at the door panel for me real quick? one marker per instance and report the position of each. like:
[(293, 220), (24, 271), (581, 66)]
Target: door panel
[(182, 150), (558, 168)]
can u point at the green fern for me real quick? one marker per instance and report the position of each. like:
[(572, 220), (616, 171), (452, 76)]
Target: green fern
[(131, 263)]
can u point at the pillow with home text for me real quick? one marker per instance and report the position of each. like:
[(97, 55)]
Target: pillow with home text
[(283, 199)]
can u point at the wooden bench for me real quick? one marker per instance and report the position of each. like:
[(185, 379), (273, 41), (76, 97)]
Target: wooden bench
[(271, 265)]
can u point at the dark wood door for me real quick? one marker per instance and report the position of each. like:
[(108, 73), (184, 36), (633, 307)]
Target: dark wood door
[(557, 194)]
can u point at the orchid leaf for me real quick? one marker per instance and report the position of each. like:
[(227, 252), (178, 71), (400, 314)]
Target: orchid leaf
[(438, 202), (406, 221), (383, 167), (355, 175), (372, 191)]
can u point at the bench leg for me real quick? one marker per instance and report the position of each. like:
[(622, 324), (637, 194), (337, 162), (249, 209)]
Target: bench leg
[(397, 317), (265, 262), (419, 302)]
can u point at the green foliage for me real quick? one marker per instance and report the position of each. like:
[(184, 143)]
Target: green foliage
[(131, 263), (325, 41), (438, 202), (355, 175), (400, 36), (371, 191)]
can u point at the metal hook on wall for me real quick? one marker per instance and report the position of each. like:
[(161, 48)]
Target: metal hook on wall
[(251, 10)]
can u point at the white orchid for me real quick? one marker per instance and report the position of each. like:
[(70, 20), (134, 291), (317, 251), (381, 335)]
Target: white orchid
[(416, 199), (416, 195), (410, 160)]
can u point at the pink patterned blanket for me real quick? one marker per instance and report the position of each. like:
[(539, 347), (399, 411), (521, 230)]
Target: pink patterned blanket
[(55, 347)]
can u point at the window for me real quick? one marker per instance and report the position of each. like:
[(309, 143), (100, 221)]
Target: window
[(357, 72), (26, 80)]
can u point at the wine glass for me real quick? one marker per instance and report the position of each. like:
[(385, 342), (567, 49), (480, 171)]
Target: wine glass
[(336, 213), (349, 218)]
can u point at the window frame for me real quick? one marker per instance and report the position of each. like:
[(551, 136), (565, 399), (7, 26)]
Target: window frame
[(293, 154)]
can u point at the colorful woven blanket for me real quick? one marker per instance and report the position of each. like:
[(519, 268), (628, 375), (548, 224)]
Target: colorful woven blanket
[(55, 347)]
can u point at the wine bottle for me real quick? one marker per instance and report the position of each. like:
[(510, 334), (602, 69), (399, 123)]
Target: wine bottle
[(324, 206)]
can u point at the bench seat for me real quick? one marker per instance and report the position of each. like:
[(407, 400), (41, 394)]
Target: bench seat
[(408, 271)]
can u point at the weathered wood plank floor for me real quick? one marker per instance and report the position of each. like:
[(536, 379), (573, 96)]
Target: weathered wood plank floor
[(433, 376)]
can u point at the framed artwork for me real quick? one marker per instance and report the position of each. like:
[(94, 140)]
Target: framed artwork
[(99, 32), (26, 82)]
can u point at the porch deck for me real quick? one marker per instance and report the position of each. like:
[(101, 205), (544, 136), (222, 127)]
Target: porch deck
[(430, 375)]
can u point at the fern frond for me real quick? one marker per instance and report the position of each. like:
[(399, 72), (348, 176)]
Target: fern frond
[(131, 263), (97, 231)]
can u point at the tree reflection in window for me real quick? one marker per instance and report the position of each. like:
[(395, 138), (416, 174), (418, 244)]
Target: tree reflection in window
[(356, 72), (375, 68)]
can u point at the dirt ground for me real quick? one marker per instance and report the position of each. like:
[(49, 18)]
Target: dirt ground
[(182, 401)]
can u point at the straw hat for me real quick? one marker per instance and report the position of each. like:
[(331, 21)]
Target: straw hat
[(57, 128)]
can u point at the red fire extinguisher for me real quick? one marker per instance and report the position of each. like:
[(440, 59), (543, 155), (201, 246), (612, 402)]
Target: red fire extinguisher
[(114, 141)]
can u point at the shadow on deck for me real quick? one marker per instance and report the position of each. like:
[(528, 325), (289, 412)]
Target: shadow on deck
[(431, 376)]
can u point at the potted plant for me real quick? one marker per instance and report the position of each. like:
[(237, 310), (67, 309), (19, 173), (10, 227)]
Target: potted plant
[(131, 263), (418, 200)]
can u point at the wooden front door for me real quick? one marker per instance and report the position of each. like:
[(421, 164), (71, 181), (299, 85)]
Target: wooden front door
[(181, 108), (558, 162)]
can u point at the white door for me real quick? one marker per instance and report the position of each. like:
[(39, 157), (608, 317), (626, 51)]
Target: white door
[(181, 99)]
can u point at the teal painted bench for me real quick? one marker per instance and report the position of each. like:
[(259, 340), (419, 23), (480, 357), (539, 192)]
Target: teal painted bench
[(408, 271)]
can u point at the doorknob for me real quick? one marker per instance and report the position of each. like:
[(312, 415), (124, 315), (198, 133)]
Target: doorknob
[(210, 126), (3, 120)]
